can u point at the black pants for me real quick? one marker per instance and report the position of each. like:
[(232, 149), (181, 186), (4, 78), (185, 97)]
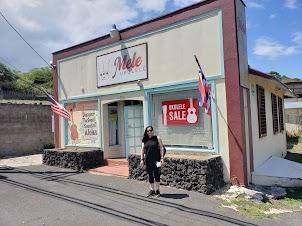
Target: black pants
[(153, 172)]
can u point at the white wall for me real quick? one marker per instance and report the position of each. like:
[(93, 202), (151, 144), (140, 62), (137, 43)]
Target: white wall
[(271, 144), (222, 127)]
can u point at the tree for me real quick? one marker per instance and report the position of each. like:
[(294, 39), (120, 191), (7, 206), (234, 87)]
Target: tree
[(37, 77), (275, 74), (7, 76), (283, 78)]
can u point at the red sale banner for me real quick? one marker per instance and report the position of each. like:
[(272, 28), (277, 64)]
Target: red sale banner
[(180, 112)]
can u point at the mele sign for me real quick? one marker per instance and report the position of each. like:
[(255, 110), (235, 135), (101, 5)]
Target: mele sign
[(129, 64), (180, 112)]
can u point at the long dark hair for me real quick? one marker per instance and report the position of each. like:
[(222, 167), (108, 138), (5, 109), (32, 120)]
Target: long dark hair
[(146, 137)]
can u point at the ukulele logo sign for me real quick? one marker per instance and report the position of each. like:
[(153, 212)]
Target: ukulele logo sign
[(125, 65), (180, 112)]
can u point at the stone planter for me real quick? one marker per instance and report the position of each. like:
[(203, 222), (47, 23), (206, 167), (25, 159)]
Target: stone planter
[(203, 176), (74, 158)]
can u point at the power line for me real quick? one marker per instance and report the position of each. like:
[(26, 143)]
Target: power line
[(23, 38)]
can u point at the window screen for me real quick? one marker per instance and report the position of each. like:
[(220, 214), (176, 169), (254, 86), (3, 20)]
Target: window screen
[(190, 135), (261, 111), (275, 113), (280, 106)]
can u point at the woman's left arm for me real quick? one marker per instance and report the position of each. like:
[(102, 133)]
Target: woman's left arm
[(161, 147)]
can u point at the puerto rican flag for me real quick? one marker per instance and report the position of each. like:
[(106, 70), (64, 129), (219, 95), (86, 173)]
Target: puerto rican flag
[(204, 93)]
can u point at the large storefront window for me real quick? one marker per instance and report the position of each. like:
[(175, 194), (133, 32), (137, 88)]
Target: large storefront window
[(180, 122), (83, 128)]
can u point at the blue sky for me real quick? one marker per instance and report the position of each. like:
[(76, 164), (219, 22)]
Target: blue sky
[(274, 28), (274, 36)]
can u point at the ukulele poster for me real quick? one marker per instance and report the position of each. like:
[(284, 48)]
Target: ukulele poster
[(83, 126), (180, 112)]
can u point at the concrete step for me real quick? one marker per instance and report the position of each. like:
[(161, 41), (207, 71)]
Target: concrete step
[(116, 162), (278, 171)]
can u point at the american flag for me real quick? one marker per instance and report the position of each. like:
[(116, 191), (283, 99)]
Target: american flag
[(204, 93), (57, 108)]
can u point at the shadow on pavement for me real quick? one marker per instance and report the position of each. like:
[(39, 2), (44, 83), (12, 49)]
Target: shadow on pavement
[(2, 177), (174, 196)]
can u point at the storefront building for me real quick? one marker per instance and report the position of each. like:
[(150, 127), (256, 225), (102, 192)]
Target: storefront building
[(147, 75)]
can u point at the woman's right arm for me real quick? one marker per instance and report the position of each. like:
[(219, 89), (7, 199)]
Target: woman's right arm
[(142, 153)]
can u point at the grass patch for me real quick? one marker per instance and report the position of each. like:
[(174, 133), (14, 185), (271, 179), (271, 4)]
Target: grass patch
[(254, 209)]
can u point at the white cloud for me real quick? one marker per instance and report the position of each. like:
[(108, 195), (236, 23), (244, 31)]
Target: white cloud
[(29, 24), (297, 38), (18, 13), (53, 25), (291, 4), (84, 20), (272, 16), (183, 3), (267, 47), (154, 5), (255, 5)]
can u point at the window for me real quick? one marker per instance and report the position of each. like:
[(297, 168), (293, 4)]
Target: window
[(182, 136), (261, 111), (113, 125), (275, 113), (280, 106)]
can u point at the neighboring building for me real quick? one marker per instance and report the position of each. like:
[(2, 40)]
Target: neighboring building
[(293, 109), (295, 87), (147, 75)]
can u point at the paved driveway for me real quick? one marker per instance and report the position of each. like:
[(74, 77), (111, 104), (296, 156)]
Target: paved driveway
[(43, 195)]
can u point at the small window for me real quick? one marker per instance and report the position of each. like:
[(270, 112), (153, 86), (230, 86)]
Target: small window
[(280, 106), (275, 113), (261, 111)]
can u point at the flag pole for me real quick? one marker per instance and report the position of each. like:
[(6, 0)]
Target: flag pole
[(197, 62)]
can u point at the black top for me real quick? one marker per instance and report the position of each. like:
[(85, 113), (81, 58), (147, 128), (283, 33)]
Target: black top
[(152, 150)]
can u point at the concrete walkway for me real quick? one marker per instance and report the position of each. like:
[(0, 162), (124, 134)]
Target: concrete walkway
[(29, 160)]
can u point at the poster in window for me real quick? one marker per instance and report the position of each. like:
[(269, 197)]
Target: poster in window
[(83, 126), (180, 112)]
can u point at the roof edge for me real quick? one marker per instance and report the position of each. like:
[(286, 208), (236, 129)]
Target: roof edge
[(267, 76)]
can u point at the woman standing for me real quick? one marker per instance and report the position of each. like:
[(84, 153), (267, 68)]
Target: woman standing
[(152, 152)]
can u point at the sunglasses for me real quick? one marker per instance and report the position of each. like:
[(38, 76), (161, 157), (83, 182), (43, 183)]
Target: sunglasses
[(149, 130)]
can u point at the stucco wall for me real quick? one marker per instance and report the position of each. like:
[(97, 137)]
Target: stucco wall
[(24, 128), (170, 58), (271, 144), (222, 128)]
